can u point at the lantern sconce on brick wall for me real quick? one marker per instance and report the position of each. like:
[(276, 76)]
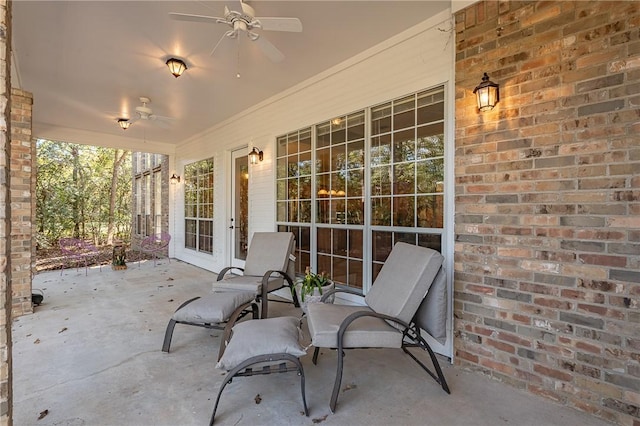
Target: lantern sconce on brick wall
[(174, 179), (255, 155), (488, 93)]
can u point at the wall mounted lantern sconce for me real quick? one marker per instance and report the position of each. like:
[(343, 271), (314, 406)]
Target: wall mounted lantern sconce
[(174, 179), (124, 123), (488, 93), (255, 155), (176, 66)]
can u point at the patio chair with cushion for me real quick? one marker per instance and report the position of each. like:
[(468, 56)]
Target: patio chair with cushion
[(78, 251), (155, 245), (389, 318), (268, 267)]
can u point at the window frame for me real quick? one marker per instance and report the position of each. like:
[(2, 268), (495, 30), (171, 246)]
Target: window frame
[(433, 236)]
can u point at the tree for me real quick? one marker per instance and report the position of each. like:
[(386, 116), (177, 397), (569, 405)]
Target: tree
[(80, 192)]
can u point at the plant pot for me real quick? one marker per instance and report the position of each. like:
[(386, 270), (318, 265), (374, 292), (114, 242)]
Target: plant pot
[(315, 297)]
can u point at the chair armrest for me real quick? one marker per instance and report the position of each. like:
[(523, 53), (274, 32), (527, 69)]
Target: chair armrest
[(268, 274), (335, 290), (227, 269), (354, 316), (187, 302)]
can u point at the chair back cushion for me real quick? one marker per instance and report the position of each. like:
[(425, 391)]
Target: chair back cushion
[(269, 251), (432, 313), (404, 281)]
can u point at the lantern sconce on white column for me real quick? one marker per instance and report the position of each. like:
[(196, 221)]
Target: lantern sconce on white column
[(255, 155)]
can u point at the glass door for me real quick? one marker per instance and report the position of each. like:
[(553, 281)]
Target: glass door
[(239, 207)]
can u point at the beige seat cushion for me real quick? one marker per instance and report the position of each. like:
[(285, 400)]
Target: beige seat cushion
[(262, 337), (213, 308), (246, 283), (404, 280), (324, 320), (269, 251)]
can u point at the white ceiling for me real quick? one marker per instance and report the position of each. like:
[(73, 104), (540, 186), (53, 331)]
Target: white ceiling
[(88, 62)]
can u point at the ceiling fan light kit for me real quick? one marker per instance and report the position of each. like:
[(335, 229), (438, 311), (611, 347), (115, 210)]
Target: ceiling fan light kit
[(176, 66)]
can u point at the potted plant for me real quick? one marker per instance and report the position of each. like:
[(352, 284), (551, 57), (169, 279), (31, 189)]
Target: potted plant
[(311, 287)]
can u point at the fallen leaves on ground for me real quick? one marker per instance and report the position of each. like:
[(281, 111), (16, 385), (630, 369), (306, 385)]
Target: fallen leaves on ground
[(36, 341), (63, 329), (320, 419), (258, 399), (349, 387), (43, 414)]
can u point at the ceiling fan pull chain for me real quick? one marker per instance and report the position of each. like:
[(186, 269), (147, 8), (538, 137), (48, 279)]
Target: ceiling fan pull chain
[(238, 59)]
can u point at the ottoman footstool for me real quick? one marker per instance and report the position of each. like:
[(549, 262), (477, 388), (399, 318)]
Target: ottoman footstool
[(263, 346)]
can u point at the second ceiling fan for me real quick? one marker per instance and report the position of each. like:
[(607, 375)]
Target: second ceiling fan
[(242, 19)]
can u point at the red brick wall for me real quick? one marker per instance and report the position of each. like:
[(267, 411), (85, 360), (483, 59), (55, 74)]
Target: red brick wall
[(547, 266), (22, 202), (6, 375)]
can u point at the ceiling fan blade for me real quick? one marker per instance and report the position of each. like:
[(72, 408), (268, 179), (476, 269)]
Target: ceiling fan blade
[(195, 18), (161, 121), (280, 24), (234, 5), (269, 49)]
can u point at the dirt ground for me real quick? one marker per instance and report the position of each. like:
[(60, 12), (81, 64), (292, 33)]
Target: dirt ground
[(51, 258)]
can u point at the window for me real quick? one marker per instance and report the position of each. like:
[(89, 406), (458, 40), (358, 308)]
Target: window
[(147, 205), (198, 205), (407, 173), (138, 224), (351, 187), (157, 201)]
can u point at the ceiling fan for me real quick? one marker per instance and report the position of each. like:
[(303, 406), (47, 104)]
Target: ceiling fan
[(145, 113), (243, 19)]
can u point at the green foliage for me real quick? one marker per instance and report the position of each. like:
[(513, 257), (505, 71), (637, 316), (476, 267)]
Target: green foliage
[(310, 282), (73, 188)]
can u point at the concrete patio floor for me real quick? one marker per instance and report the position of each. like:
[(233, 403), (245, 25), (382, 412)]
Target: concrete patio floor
[(90, 355)]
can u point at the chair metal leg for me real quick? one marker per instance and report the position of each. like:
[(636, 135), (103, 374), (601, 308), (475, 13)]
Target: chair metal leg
[(438, 376), (168, 335), (242, 370), (336, 385), (316, 352), (227, 380), (304, 398), (265, 308)]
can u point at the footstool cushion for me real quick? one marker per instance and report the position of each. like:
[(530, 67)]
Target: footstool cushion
[(262, 337), (213, 308)]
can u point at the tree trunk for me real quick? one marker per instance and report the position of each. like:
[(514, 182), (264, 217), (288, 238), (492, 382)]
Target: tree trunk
[(118, 158), (76, 204)]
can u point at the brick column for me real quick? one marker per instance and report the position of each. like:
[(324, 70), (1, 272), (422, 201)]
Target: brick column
[(23, 157), (5, 215)]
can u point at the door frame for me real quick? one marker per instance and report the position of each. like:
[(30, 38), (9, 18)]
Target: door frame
[(231, 219)]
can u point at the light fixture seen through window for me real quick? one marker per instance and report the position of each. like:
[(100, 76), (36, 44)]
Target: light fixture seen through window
[(176, 66), (255, 155), (124, 123), (487, 93), (174, 179)]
